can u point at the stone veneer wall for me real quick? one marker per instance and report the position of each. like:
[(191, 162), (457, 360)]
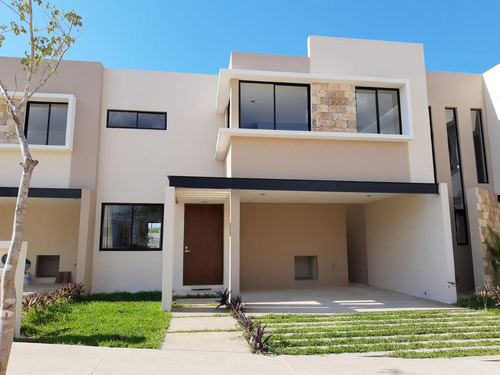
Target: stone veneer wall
[(333, 107), (488, 212), (7, 124)]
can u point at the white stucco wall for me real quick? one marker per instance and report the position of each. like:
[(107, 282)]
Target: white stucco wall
[(358, 57), (134, 163), (53, 170), (492, 104), (409, 245)]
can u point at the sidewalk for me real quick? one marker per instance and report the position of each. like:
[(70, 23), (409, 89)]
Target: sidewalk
[(45, 359)]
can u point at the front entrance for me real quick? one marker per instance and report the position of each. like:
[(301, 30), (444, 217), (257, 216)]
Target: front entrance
[(203, 244)]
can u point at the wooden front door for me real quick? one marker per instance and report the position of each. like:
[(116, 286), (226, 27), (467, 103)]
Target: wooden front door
[(203, 244)]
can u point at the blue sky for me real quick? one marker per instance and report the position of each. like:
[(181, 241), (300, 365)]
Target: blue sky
[(198, 36)]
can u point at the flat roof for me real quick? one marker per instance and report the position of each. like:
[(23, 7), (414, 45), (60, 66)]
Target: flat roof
[(198, 182), (43, 192)]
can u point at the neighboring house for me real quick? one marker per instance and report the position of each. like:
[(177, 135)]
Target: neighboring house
[(280, 172)]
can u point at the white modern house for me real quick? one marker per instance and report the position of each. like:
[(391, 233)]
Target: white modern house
[(351, 164)]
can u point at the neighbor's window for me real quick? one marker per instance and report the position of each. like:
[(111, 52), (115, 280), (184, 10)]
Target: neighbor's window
[(277, 106), (462, 231), (137, 120), (131, 226), (378, 110), (46, 123), (479, 151)]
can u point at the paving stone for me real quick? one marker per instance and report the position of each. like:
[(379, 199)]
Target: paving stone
[(201, 323), (231, 342)]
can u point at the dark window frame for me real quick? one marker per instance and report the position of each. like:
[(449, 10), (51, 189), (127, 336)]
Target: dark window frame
[(132, 221), (486, 174), (433, 145), (136, 119), (26, 121), (308, 86), (376, 89), (459, 151)]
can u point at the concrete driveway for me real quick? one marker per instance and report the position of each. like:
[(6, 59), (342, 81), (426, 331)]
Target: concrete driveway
[(352, 298)]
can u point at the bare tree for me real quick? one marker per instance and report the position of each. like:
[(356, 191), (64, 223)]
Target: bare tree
[(49, 39)]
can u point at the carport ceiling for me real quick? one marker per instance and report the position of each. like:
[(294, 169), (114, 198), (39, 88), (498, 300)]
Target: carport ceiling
[(273, 196)]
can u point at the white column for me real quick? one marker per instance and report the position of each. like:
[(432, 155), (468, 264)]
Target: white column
[(234, 243), (83, 240), (168, 249)]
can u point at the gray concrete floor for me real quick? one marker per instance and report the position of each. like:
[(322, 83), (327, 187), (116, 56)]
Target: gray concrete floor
[(348, 299)]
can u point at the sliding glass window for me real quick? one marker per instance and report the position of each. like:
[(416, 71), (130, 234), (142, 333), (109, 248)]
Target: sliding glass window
[(131, 226), (276, 106), (378, 110), (479, 150), (456, 178)]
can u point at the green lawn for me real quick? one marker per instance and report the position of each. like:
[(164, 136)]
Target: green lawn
[(405, 334), (117, 320)]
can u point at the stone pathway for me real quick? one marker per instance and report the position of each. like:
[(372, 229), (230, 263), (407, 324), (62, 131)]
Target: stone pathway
[(203, 331)]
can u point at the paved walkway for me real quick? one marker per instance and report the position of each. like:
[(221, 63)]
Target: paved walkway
[(204, 334), (46, 359)]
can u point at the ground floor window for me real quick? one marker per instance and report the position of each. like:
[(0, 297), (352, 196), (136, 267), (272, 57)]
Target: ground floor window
[(131, 226)]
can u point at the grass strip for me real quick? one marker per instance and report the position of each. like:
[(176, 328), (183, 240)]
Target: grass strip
[(447, 353), (290, 318), (283, 342), (381, 347)]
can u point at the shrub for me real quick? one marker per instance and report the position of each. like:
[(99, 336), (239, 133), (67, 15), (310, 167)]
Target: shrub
[(40, 301)]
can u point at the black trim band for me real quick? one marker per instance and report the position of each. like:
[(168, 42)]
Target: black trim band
[(302, 185), (43, 192)]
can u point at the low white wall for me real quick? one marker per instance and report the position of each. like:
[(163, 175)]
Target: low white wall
[(131, 271), (19, 281), (409, 245)]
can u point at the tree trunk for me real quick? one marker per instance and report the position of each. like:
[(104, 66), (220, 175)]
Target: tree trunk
[(8, 287)]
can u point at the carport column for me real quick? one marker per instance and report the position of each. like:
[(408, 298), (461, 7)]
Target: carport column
[(85, 235), (168, 249), (234, 243)]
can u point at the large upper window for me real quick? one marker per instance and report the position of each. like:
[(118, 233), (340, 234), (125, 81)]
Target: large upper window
[(378, 110), (46, 123), (479, 151), (277, 106), (137, 120), (131, 226)]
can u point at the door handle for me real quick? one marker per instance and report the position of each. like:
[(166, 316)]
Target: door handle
[(187, 251)]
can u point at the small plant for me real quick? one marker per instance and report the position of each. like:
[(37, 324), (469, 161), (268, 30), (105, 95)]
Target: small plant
[(486, 293), (258, 341), (41, 301), (237, 304), (223, 298), (254, 332), (493, 247)]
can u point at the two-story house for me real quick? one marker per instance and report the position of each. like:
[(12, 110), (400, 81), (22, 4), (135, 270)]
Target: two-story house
[(280, 172)]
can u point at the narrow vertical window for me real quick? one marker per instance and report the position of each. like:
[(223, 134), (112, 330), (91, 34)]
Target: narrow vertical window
[(432, 145), (456, 178), (479, 150)]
